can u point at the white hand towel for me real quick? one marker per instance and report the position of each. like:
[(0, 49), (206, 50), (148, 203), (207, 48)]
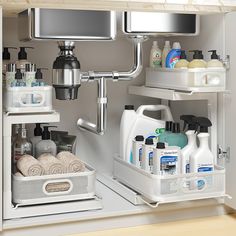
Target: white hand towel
[(51, 164), (29, 166), (72, 163)]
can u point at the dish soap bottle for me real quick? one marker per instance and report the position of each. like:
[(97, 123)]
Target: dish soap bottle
[(202, 160), (45, 145), (165, 52), (128, 117), (214, 62), (155, 56), (21, 145), (22, 59), (173, 56), (182, 63), (176, 138), (197, 61), (37, 136), (191, 147)]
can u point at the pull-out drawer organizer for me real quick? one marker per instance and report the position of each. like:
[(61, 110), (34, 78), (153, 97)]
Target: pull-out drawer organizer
[(172, 188)]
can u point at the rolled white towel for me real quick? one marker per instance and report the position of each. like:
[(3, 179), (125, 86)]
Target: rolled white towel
[(72, 163), (29, 166), (51, 164)]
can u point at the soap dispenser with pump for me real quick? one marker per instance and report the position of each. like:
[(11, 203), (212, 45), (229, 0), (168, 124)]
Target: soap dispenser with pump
[(214, 62), (182, 63), (197, 61), (37, 136), (22, 59), (46, 145), (191, 147), (6, 57)]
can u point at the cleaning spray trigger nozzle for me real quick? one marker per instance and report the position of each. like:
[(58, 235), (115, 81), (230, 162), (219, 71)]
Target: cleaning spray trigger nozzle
[(188, 120)]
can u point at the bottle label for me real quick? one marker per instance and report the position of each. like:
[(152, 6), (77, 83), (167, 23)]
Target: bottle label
[(140, 151), (156, 59), (187, 168), (168, 162), (150, 161), (205, 169)]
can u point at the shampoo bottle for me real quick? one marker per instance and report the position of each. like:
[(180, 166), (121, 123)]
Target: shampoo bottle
[(37, 136), (173, 56), (197, 61), (155, 56), (191, 147), (202, 160), (214, 62), (182, 63), (176, 138), (45, 145), (22, 59), (165, 52), (128, 117)]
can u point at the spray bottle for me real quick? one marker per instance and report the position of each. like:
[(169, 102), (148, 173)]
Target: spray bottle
[(202, 160), (191, 147)]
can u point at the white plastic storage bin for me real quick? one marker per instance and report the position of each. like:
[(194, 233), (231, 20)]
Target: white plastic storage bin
[(53, 188), (197, 79), (28, 99), (173, 188)]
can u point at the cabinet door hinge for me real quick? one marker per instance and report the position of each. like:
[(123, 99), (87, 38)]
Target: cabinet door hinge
[(224, 154)]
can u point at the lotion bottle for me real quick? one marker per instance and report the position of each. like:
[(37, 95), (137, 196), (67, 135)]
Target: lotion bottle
[(37, 136), (6, 57), (155, 56), (22, 59), (214, 62), (45, 145), (197, 61), (191, 147), (182, 63)]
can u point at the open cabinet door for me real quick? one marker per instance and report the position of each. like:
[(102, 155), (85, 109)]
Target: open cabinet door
[(230, 109)]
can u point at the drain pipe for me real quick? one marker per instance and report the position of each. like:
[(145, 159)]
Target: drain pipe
[(101, 78)]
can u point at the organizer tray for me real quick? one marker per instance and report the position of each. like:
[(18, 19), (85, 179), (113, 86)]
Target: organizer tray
[(54, 188), (173, 188), (28, 99), (196, 79)]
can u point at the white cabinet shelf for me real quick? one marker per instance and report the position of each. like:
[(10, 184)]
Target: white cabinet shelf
[(170, 94)]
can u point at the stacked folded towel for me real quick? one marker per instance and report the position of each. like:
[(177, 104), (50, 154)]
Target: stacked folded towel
[(47, 164), (51, 164), (71, 162), (29, 166)]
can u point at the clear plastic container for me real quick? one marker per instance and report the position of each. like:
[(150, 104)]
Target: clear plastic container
[(28, 99)]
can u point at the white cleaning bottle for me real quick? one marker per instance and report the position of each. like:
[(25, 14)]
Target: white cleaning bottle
[(202, 160), (165, 52), (191, 147), (155, 56), (128, 117)]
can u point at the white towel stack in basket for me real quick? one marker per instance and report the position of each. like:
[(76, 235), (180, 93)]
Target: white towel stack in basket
[(47, 164)]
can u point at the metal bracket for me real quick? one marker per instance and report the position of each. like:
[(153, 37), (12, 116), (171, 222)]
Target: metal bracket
[(224, 154)]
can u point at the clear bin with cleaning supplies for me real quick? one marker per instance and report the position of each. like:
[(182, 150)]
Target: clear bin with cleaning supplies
[(171, 188), (28, 99), (33, 190), (196, 79)]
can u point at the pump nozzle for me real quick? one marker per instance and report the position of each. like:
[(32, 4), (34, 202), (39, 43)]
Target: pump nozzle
[(6, 54), (188, 120), (214, 54), (46, 134), (202, 122), (39, 74), (22, 55), (197, 54)]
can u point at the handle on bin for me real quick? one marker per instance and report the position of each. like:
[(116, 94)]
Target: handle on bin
[(167, 113), (57, 190), (193, 186), (32, 104)]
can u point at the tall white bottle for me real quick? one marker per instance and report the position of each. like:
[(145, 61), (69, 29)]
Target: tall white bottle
[(165, 52), (191, 147), (155, 56), (202, 160), (128, 117)]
